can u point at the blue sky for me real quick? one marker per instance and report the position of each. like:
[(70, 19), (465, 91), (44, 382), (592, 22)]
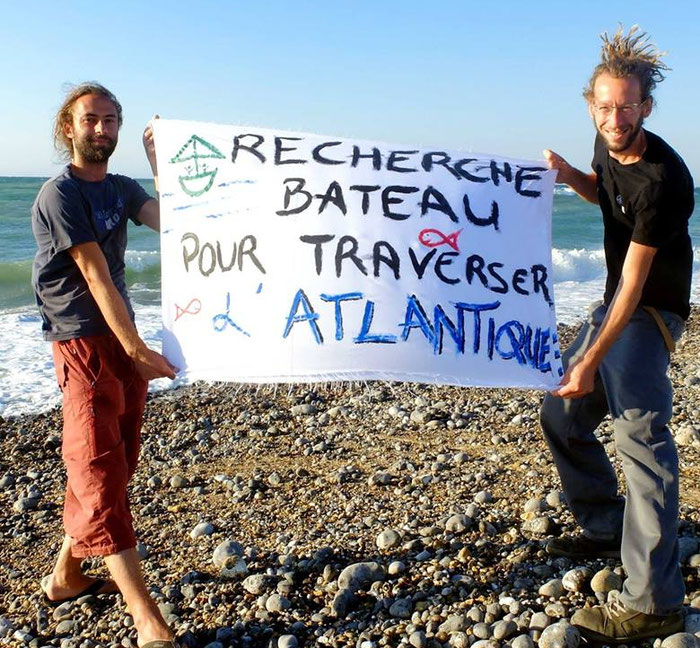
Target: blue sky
[(492, 77)]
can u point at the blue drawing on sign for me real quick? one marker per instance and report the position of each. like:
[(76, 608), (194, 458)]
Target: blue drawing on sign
[(442, 323), (365, 336), (259, 290), (515, 348), (524, 344), (230, 182), (223, 320), (338, 312), (302, 301), (182, 207), (417, 318)]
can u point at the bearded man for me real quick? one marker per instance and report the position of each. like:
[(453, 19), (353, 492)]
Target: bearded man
[(103, 367), (618, 363)]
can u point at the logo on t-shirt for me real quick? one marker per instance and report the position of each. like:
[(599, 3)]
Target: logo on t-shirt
[(109, 218), (618, 200)]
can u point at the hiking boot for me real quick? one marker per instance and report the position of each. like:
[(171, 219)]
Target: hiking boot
[(613, 623), (581, 546)]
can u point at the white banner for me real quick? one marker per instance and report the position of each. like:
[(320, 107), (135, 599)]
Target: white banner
[(290, 257)]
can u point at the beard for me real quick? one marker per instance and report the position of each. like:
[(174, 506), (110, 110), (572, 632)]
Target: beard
[(93, 152), (619, 146)]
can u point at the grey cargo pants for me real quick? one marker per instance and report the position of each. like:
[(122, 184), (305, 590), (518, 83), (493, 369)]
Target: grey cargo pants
[(632, 385)]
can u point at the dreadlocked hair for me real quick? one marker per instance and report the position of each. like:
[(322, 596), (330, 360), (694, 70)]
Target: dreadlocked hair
[(630, 55)]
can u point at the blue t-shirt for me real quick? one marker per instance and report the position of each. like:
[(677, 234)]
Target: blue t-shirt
[(67, 212)]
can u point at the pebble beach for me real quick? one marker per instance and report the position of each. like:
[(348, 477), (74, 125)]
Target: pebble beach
[(362, 515)]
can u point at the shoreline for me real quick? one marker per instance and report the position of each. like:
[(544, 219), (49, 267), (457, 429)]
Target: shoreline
[(451, 491)]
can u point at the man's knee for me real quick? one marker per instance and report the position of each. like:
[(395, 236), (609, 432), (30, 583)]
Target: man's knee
[(640, 430)]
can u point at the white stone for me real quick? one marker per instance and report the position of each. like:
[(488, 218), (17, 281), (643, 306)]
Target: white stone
[(388, 539), (458, 523), (680, 640), (560, 635), (553, 588), (225, 551), (287, 641), (202, 529), (605, 581), (576, 580)]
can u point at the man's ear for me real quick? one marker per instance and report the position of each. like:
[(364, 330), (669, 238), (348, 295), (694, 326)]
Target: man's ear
[(647, 106), (68, 129)]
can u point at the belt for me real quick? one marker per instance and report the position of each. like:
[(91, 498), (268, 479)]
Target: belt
[(668, 339)]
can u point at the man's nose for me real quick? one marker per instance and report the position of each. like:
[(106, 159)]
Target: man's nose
[(617, 117)]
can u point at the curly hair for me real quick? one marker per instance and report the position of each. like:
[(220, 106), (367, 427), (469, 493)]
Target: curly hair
[(630, 55), (63, 143)]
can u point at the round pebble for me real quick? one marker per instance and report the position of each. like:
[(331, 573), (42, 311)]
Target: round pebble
[(287, 641), (458, 523), (553, 588), (606, 580), (388, 539), (201, 530), (560, 635), (225, 551), (577, 579), (396, 567), (680, 640)]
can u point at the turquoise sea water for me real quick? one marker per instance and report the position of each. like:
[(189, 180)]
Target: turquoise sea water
[(17, 246)]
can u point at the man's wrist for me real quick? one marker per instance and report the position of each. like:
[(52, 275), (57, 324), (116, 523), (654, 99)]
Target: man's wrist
[(135, 349), (592, 359), (570, 176)]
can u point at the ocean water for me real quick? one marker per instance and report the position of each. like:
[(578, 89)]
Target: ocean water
[(27, 381)]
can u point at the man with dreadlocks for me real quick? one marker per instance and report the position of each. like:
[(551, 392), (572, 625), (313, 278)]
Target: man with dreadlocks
[(619, 360)]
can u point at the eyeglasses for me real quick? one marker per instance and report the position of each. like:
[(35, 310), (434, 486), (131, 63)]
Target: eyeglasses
[(605, 110)]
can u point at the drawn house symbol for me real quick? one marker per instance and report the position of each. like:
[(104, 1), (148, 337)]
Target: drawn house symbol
[(199, 178)]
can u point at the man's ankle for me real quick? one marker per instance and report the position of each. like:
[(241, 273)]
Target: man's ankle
[(68, 577), (151, 626)]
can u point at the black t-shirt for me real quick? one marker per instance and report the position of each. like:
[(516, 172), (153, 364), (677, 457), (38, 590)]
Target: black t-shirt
[(67, 212), (648, 202)]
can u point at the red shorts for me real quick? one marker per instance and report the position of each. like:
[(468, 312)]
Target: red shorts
[(103, 403)]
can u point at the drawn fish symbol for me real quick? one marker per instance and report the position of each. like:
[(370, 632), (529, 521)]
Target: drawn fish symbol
[(433, 238), (191, 309)]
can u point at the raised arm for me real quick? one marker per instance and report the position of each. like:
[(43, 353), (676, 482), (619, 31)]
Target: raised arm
[(149, 214), (93, 266), (579, 378), (583, 184)]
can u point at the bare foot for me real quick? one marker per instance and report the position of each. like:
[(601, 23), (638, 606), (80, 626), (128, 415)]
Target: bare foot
[(152, 627), (154, 633), (62, 591)]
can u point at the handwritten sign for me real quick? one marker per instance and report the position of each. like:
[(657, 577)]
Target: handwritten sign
[(289, 257)]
